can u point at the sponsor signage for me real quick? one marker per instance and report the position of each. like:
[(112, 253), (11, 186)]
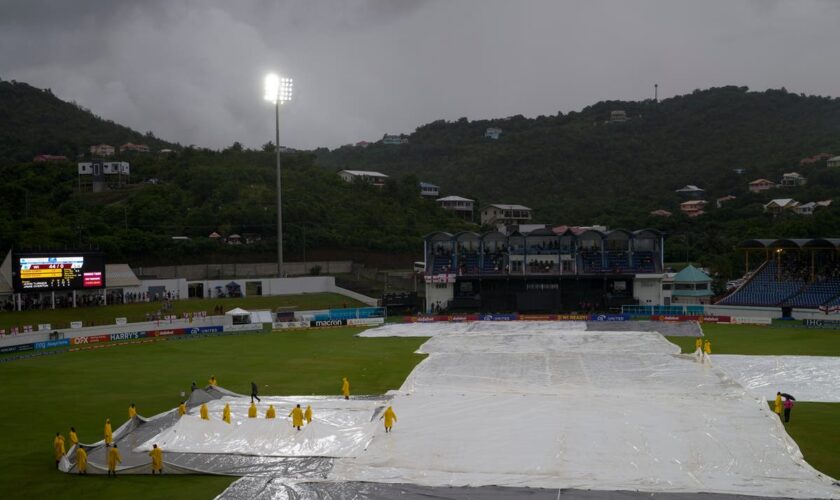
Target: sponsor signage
[(75, 325), (44, 327), (717, 319), (572, 317), (497, 317), (440, 278), (52, 343), (367, 321), (17, 348), (121, 321), (251, 327), (675, 317), (821, 323), (283, 325), (328, 322), (91, 339), (211, 329), (610, 317), (166, 333), (128, 336)]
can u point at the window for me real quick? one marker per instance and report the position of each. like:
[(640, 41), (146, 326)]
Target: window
[(666, 286)]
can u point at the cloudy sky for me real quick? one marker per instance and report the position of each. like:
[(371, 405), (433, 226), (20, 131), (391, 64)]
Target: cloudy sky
[(192, 70)]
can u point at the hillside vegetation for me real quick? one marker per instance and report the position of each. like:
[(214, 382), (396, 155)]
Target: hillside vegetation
[(571, 168)]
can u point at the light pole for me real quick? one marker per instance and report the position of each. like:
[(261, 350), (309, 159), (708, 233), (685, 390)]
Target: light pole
[(278, 90)]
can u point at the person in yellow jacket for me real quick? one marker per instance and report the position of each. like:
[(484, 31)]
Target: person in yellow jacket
[(707, 347), (74, 439), (109, 436), (114, 458), (226, 413), (132, 411), (698, 344), (271, 413), (308, 414), (157, 459), (58, 445), (777, 407), (81, 460), (390, 417), (345, 388), (252, 411), (212, 380), (182, 409), (203, 411), (297, 417)]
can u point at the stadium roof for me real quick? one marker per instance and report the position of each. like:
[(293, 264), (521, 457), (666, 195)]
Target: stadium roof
[(833, 243), (691, 275)]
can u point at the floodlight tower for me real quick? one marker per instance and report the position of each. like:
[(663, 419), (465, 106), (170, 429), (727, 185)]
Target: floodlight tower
[(278, 90)]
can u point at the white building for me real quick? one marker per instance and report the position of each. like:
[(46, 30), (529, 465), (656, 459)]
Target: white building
[(102, 150), (833, 162), (505, 214), (793, 179), (463, 207), (428, 189), (394, 139), (493, 133), (618, 116), (374, 178)]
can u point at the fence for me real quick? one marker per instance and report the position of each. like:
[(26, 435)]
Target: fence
[(247, 270), (696, 310)]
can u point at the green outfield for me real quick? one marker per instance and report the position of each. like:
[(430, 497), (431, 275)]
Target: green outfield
[(105, 315), (51, 393), (813, 425)]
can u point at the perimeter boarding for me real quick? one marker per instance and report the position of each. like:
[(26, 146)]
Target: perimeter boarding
[(297, 415)]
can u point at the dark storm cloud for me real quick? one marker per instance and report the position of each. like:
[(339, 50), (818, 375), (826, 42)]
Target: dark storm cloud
[(191, 70)]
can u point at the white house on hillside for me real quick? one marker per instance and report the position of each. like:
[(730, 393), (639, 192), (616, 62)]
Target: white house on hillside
[(505, 214), (493, 133), (429, 189), (375, 178), (463, 207)]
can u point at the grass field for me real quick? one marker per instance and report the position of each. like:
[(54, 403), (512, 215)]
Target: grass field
[(51, 393), (812, 425), (61, 318), (765, 341)]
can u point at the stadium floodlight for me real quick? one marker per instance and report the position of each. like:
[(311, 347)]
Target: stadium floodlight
[(278, 90)]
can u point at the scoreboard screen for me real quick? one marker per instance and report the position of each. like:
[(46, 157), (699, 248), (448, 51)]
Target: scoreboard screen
[(34, 272)]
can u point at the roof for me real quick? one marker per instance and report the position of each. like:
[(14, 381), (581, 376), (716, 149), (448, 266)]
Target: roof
[(726, 198), (120, 275), (364, 173), (798, 243), (237, 312), (693, 202), (834, 158), (453, 198), (428, 185), (690, 187), (782, 202), (508, 207), (762, 181), (691, 275), (792, 174), (692, 293)]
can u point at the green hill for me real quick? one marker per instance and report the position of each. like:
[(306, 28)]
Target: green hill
[(34, 121)]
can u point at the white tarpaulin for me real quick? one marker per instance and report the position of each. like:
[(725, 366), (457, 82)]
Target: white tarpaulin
[(807, 378), (339, 429), (539, 404)]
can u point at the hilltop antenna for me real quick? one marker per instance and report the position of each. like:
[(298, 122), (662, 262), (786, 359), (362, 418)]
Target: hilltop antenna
[(655, 92)]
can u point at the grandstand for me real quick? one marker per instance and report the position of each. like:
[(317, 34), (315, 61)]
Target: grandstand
[(801, 273), (545, 270)]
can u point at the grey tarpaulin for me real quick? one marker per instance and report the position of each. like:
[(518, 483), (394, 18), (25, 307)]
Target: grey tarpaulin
[(259, 488)]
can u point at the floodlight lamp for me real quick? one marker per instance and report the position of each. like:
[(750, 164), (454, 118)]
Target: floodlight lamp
[(272, 87)]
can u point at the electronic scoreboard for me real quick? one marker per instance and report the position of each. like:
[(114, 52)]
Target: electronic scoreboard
[(34, 272)]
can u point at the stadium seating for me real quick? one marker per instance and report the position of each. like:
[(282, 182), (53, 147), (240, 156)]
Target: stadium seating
[(440, 263), (644, 262), (764, 289), (816, 294)]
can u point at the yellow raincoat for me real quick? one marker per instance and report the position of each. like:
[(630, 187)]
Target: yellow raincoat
[(212, 380), (345, 388), (390, 417), (252, 411), (74, 439), (226, 413), (182, 410), (157, 458), (297, 416), (308, 414), (777, 407), (81, 459), (114, 458), (203, 411), (271, 413), (707, 347), (698, 344), (58, 444), (109, 436), (132, 412)]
